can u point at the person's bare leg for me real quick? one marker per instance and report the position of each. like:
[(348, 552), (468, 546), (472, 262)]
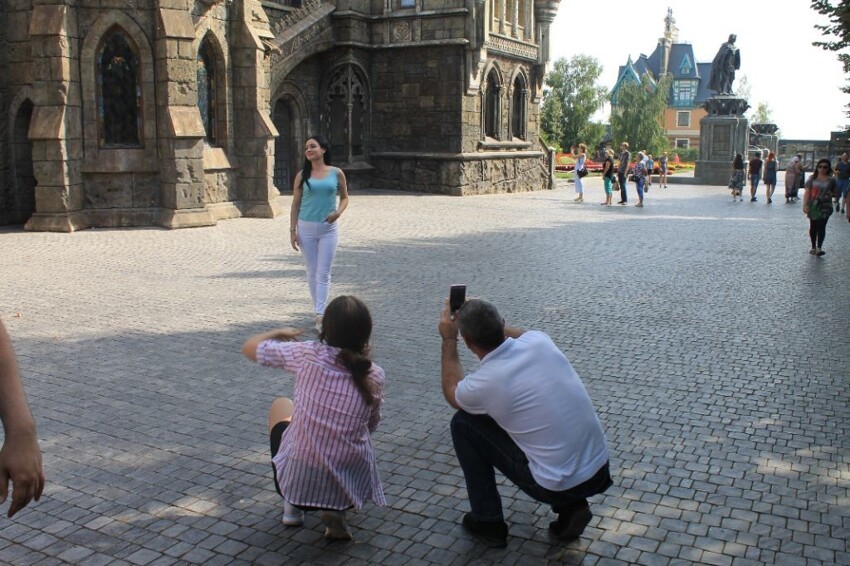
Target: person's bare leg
[(280, 411)]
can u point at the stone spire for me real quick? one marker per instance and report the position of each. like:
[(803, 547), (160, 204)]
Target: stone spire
[(671, 35)]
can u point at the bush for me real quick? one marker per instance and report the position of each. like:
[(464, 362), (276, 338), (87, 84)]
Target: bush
[(689, 154)]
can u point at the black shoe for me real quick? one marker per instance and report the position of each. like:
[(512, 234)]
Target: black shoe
[(753, 199), (491, 533), (622, 202), (569, 526), (820, 252)]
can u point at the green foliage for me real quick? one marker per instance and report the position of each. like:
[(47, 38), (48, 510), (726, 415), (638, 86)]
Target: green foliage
[(837, 32), (639, 114), (686, 155), (591, 135), (762, 114), (571, 98)]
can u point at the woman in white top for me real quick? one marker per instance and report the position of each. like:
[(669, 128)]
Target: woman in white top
[(581, 162)]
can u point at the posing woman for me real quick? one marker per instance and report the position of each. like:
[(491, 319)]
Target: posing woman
[(770, 176), (313, 218), (608, 175), (817, 203), (581, 163), (640, 173), (736, 179), (321, 446)]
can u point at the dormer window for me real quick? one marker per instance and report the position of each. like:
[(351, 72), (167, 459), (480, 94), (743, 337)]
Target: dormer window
[(685, 67)]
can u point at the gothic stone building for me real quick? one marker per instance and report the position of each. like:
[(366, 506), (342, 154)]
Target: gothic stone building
[(182, 112)]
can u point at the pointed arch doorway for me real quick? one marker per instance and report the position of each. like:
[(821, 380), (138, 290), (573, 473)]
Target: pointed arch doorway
[(286, 117), (21, 204)]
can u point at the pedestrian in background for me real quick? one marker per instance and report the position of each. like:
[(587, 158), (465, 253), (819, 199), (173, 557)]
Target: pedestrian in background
[(662, 172), (623, 171), (842, 182), (581, 163), (793, 175), (736, 178), (650, 168), (313, 218), (754, 174), (640, 174), (770, 176), (608, 176), (817, 204)]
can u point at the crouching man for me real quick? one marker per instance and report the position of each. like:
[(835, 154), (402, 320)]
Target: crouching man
[(525, 412)]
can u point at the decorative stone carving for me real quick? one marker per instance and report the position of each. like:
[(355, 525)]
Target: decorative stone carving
[(726, 106), (512, 47), (401, 31)]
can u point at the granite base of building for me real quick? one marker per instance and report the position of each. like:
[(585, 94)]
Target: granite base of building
[(462, 174)]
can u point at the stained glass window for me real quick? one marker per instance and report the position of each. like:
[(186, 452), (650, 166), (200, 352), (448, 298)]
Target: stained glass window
[(207, 91), (518, 111), (119, 91)]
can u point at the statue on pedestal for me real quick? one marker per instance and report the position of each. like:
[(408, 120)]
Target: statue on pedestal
[(726, 62)]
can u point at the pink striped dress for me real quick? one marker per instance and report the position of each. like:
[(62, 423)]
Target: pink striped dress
[(326, 459)]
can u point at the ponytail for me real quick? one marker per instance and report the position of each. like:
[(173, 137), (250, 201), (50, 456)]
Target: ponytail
[(359, 364)]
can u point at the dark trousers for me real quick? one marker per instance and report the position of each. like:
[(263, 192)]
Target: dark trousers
[(482, 447), (817, 231), (621, 178)]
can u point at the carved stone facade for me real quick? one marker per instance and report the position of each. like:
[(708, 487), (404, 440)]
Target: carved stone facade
[(179, 113)]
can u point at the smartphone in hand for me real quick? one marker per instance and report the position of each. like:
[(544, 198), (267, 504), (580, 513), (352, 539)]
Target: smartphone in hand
[(457, 296)]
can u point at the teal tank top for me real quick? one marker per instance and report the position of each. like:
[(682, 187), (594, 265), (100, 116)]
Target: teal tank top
[(318, 197)]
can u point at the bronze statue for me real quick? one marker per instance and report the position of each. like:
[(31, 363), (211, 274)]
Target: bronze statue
[(726, 62)]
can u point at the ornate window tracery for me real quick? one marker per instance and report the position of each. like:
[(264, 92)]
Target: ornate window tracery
[(346, 111), (492, 105), (519, 103)]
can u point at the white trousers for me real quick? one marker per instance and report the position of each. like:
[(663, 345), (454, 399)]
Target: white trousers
[(318, 242)]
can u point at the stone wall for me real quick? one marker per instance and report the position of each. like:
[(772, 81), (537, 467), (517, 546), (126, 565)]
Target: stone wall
[(5, 170), (416, 99)]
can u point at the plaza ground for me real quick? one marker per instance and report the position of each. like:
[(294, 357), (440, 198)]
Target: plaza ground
[(714, 347)]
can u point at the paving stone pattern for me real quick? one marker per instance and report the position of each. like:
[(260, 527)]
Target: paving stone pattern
[(714, 346)]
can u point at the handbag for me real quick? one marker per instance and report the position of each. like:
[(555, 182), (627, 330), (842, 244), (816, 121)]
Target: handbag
[(582, 172), (633, 178)]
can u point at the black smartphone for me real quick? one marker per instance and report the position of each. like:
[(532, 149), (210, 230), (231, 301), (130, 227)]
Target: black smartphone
[(457, 296)]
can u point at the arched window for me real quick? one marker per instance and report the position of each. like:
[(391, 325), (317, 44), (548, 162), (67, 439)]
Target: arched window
[(518, 108), (492, 106), (207, 87), (119, 100), (346, 105)]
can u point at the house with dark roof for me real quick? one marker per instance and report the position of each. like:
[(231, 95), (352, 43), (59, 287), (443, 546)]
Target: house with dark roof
[(688, 89)]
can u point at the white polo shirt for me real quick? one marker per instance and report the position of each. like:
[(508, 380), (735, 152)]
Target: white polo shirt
[(531, 390)]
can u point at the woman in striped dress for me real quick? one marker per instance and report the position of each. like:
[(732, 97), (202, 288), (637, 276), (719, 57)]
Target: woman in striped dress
[(321, 446)]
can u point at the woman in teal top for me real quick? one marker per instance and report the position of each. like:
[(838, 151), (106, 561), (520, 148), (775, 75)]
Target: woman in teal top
[(313, 218)]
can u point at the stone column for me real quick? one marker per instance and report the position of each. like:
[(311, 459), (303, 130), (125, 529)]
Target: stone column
[(56, 126), (181, 131), (254, 132)]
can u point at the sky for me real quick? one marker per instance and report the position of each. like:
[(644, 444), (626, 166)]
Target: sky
[(799, 82)]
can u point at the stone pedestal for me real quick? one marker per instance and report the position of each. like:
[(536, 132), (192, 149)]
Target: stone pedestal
[(723, 133)]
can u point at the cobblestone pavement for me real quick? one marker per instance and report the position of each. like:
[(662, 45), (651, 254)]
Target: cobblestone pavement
[(714, 346)]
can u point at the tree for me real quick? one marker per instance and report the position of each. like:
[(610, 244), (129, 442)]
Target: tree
[(638, 114), (838, 32), (762, 114), (571, 98)]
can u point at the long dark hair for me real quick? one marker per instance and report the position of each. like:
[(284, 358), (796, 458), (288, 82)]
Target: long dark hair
[(308, 167), (738, 163), (347, 325)]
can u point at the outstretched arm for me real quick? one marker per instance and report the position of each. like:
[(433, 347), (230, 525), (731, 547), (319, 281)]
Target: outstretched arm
[(249, 349), (20, 457)]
